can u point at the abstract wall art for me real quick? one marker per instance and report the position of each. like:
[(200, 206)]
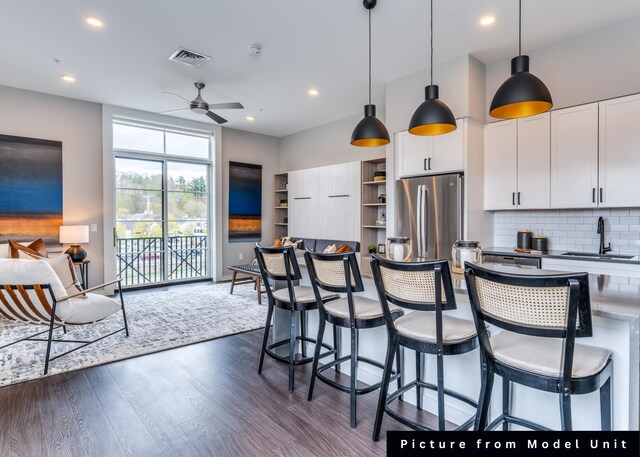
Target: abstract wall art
[(245, 202), (30, 188)]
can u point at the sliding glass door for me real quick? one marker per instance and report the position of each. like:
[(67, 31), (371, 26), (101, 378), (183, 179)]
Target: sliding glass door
[(161, 225)]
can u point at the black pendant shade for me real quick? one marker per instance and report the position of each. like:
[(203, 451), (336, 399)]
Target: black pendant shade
[(433, 117), (370, 131), (522, 94)]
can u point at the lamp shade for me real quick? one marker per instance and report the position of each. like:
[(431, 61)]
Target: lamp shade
[(74, 234), (370, 131), (433, 117), (522, 94)]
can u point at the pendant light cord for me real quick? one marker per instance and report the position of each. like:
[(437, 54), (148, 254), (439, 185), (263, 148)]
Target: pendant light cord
[(520, 28), (432, 42), (369, 56)]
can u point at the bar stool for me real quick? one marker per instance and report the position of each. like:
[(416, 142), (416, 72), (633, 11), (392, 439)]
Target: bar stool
[(340, 273), (419, 286), (540, 315), (280, 264)]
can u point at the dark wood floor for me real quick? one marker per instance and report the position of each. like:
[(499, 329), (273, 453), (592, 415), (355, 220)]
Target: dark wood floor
[(201, 400)]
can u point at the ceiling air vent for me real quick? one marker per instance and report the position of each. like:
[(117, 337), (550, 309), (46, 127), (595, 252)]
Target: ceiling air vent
[(193, 59)]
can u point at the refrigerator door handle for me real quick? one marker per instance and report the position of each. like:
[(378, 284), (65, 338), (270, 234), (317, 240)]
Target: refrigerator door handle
[(419, 220), (425, 221)]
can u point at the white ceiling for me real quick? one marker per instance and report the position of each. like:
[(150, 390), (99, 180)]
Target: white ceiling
[(321, 44)]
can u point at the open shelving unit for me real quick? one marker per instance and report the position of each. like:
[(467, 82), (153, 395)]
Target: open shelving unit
[(372, 209), (281, 207)]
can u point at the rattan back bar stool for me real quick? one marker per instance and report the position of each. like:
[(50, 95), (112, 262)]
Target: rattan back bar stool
[(426, 289), (340, 273), (281, 264), (540, 316)]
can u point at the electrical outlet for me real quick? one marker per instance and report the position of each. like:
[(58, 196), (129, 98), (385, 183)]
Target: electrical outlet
[(94, 227), (241, 256)]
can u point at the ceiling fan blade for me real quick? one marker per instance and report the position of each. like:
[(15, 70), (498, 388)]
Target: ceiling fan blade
[(233, 105), (176, 95), (215, 117), (173, 110)]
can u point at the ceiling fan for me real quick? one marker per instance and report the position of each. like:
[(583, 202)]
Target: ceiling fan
[(199, 106)]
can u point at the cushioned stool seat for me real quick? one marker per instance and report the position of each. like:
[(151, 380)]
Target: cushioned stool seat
[(365, 308), (303, 294), (421, 325)]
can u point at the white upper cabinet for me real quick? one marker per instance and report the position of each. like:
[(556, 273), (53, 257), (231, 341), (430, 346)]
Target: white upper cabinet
[(517, 155), (501, 164), (424, 155), (533, 162), (619, 153), (574, 157)]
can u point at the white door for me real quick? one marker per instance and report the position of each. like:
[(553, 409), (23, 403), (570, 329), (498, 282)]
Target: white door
[(534, 157), (447, 151), (619, 152), (574, 157), (500, 165), (412, 154)]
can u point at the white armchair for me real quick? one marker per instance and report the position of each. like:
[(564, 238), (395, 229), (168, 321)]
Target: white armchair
[(33, 292)]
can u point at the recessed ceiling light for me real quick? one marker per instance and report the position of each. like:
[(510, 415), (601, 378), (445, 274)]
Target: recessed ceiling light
[(250, 118), (94, 21), (68, 78), (487, 20), (313, 92)]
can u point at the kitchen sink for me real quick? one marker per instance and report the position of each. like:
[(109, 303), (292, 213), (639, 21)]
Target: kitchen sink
[(597, 256)]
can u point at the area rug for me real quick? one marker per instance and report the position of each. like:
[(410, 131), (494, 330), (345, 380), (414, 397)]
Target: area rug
[(157, 321)]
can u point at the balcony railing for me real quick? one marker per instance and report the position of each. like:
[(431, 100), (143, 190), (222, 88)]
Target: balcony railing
[(142, 260)]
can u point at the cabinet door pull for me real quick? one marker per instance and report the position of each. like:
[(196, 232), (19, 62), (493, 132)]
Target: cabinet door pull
[(429, 163), (601, 195), (338, 196), (425, 165), (513, 199), (302, 198), (518, 198), (593, 195)]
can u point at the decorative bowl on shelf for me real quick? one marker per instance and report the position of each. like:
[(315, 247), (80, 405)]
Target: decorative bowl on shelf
[(380, 175)]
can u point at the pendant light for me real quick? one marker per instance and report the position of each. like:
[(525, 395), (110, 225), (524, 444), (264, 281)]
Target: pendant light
[(433, 117), (522, 94), (370, 131)]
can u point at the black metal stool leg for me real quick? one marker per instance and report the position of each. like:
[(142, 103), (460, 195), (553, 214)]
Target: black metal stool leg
[(441, 413), (354, 374), (265, 337), (316, 356), (400, 369), (419, 378), (392, 347), (303, 333), (506, 402), (486, 387), (337, 338), (605, 406), (292, 348), (565, 411)]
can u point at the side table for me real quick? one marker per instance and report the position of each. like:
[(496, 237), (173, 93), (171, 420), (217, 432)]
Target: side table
[(83, 266)]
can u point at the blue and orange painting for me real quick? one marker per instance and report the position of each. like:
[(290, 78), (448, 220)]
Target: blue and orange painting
[(245, 202), (30, 188)]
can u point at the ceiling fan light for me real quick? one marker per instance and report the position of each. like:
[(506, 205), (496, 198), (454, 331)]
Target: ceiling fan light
[(433, 116), (522, 94), (370, 131), (199, 109)]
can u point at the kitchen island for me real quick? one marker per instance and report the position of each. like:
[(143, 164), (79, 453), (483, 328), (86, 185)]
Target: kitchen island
[(615, 308)]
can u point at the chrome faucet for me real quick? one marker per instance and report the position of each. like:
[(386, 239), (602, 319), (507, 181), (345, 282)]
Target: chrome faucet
[(600, 231)]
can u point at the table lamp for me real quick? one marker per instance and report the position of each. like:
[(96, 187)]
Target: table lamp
[(75, 235)]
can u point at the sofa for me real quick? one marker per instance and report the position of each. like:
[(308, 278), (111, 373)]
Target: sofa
[(319, 245)]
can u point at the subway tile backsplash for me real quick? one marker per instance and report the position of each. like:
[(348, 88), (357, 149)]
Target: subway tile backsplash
[(572, 230)]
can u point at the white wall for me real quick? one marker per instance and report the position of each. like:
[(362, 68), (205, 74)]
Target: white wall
[(257, 149), (327, 144), (78, 125), (589, 67)]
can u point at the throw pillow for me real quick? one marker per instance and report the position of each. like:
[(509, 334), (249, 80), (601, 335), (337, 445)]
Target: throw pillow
[(290, 242), (343, 248), (331, 249), (36, 249), (277, 243), (63, 267)]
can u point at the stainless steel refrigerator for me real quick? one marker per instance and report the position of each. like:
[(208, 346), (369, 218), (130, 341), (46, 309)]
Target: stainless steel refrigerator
[(429, 212)]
